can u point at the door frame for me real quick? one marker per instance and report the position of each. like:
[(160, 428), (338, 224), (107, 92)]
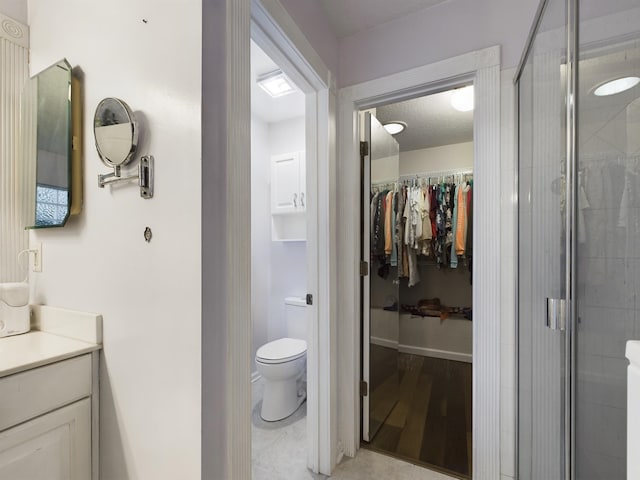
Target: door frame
[(483, 68), (278, 36)]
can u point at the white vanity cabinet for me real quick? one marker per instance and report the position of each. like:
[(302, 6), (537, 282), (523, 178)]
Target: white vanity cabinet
[(46, 421), (49, 397)]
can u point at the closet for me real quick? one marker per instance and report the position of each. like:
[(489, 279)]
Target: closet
[(417, 300)]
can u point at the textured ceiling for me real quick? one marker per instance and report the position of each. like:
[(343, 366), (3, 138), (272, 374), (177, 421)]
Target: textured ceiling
[(265, 107), (431, 122), (348, 17)]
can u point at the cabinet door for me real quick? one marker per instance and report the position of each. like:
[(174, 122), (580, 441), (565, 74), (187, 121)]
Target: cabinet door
[(285, 179), (55, 446), (302, 181)]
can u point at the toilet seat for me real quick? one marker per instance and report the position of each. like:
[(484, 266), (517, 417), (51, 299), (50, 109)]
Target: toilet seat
[(281, 351)]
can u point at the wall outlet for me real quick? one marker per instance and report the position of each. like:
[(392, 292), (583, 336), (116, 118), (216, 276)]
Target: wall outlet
[(36, 266)]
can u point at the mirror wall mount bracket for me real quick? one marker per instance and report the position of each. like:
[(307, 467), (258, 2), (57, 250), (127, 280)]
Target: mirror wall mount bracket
[(144, 176)]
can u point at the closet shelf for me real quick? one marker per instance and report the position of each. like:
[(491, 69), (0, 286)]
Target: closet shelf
[(285, 214)]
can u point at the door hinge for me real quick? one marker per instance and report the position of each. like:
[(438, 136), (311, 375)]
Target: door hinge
[(364, 268), (309, 299), (364, 388), (556, 314), (364, 149)]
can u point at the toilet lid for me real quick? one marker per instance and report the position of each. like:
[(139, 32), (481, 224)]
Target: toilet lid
[(281, 350)]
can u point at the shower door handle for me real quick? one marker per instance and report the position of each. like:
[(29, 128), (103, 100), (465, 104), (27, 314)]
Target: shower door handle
[(556, 318)]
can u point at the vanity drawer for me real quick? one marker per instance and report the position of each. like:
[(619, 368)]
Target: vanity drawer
[(34, 392)]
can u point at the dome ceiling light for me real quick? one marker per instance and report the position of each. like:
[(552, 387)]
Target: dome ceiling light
[(462, 99), (616, 86), (395, 127)]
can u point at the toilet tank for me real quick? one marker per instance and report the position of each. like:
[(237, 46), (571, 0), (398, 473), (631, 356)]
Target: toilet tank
[(295, 312)]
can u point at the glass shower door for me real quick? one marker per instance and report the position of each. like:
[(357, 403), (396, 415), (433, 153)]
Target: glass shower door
[(608, 260), (381, 315), (542, 378)]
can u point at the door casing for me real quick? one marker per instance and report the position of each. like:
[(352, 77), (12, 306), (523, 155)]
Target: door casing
[(482, 67)]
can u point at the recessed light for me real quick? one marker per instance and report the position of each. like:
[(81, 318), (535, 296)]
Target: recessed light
[(275, 83), (616, 86), (395, 127), (462, 99)]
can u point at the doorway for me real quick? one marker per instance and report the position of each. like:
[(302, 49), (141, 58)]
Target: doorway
[(292, 54), (278, 268), (482, 68), (417, 163)]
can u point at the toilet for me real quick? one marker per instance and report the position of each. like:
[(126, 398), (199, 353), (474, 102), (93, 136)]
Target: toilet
[(283, 365)]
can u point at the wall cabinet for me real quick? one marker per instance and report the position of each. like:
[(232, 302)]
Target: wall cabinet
[(288, 183), (48, 422), (288, 197)]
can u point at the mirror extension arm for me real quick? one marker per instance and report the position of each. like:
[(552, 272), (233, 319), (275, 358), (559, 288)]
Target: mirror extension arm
[(144, 177)]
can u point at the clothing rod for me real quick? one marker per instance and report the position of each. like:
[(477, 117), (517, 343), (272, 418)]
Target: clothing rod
[(385, 182), (445, 173)]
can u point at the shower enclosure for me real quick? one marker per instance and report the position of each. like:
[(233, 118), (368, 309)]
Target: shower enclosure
[(578, 237)]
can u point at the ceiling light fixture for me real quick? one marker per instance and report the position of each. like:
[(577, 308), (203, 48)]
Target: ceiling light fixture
[(395, 127), (616, 86), (462, 99), (275, 83)]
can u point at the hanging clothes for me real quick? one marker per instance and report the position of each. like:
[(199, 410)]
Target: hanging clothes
[(393, 261), (427, 233), (454, 228), (388, 213), (462, 220), (399, 231), (418, 220)]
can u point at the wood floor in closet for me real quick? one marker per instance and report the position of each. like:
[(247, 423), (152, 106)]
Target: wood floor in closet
[(430, 424)]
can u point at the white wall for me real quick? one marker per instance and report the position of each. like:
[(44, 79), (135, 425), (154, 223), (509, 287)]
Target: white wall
[(148, 293), (288, 259), (437, 159), (310, 17), (437, 33), (16, 9)]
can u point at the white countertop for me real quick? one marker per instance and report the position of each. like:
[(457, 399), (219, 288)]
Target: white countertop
[(57, 334), (633, 352), (36, 348)]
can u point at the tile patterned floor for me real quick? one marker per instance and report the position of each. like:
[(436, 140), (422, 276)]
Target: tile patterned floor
[(279, 453)]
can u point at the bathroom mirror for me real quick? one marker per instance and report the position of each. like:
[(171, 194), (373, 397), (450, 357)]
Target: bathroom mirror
[(51, 92), (116, 132)]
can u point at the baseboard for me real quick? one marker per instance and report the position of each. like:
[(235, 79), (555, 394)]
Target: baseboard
[(432, 352), (255, 376), (384, 342), (422, 351)]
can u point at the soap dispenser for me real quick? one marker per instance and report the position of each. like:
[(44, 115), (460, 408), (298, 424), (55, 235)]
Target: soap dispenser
[(14, 308)]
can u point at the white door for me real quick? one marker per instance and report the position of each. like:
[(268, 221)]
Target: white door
[(380, 326), (302, 182), (285, 183), (55, 446)]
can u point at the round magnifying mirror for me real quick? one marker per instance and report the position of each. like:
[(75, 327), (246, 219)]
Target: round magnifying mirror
[(116, 132)]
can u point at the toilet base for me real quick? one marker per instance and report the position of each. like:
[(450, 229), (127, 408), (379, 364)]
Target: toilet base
[(282, 398)]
